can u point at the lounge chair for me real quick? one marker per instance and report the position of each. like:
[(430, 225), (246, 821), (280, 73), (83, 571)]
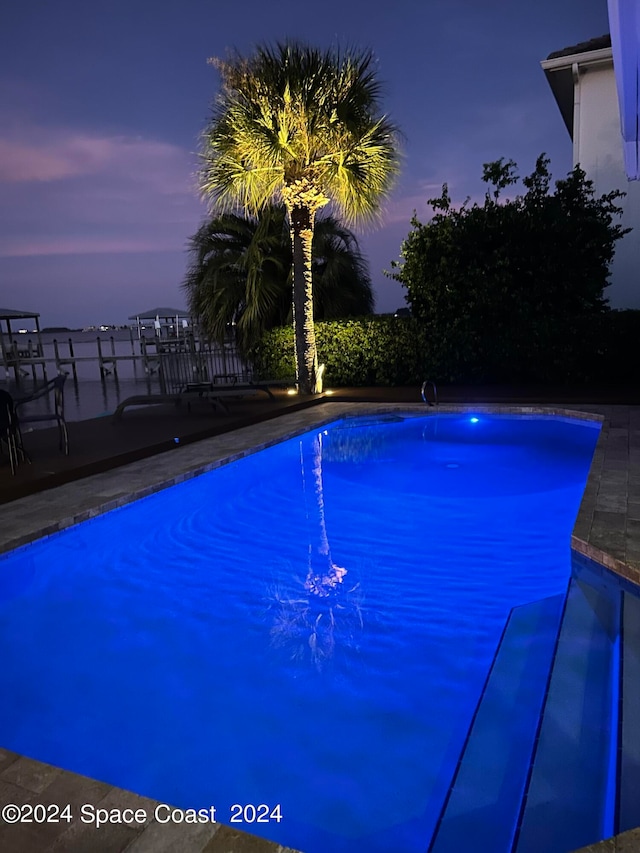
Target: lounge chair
[(213, 392), (197, 372), (231, 382), (197, 391), (187, 376)]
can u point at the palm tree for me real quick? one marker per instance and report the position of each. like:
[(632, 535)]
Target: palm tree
[(301, 126), (240, 271)]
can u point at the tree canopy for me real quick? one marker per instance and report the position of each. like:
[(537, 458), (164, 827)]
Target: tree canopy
[(301, 126), (240, 272), (502, 288)]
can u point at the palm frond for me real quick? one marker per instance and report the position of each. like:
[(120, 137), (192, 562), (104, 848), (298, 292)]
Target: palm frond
[(240, 271), (292, 111)]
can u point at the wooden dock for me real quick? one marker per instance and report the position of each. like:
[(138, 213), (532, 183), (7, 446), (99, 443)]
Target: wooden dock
[(30, 358), (24, 358)]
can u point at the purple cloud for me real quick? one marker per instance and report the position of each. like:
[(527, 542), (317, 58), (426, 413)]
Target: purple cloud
[(70, 192), (51, 160)]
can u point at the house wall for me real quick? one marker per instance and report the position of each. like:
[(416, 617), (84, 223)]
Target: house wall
[(598, 150)]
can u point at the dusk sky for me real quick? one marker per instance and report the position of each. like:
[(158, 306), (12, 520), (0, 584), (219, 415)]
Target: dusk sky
[(102, 105)]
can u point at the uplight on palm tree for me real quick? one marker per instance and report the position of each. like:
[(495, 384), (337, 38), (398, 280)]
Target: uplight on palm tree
[(301, 126)]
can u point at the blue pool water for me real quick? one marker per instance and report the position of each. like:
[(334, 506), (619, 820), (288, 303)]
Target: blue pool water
[(313, 626)]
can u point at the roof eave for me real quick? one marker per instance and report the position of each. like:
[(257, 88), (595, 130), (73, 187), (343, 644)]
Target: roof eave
[(559, 74)]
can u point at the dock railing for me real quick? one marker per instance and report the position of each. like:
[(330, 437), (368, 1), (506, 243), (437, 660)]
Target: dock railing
[(22, 357), (174, 361)]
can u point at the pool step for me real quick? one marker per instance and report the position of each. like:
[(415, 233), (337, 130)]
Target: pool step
[(484, 799), (629, 769), (568, 803)]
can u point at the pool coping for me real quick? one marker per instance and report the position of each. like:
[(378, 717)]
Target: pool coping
[(607, 530)]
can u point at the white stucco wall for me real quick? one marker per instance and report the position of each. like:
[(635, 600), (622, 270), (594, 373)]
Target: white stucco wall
[(598, 150)]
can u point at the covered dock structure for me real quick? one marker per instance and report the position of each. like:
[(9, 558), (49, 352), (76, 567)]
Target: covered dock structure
[(165, 322), (18, 353)]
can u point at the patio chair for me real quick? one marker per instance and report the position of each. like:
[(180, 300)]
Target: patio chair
[(55, 387), (10, 431)]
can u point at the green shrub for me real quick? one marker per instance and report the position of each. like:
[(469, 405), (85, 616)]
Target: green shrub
[(513, 291), (368, 351)]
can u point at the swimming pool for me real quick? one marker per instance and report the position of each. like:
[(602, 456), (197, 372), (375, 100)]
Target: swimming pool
[(365, 625)]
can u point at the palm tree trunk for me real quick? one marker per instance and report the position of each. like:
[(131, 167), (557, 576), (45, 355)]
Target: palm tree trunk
[(302, 219)]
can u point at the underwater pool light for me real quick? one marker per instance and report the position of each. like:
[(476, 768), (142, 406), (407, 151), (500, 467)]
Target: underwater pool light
[(474, 420)]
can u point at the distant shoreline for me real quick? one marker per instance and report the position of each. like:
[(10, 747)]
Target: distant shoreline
[(49, 330), (109, 328)]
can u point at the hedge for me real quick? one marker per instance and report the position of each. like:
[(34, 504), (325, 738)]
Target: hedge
[(369, 351), (395, 351)]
